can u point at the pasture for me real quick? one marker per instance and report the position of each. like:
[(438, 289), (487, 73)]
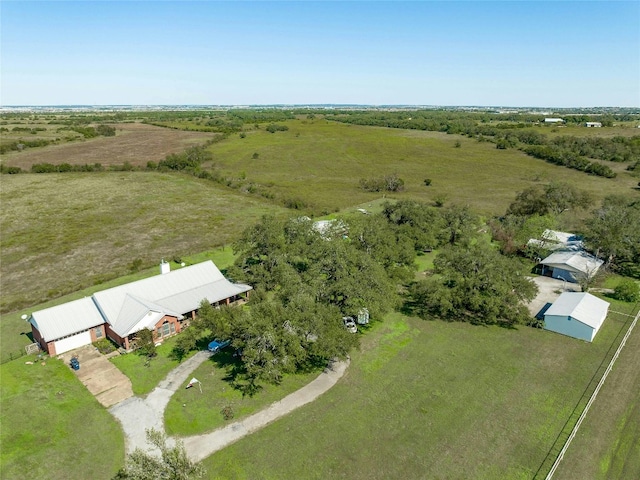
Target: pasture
[(65, 232), (136, 143), (321, 163)]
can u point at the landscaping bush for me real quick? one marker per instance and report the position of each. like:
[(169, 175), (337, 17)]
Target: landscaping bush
[(627, 291), (104, 346)]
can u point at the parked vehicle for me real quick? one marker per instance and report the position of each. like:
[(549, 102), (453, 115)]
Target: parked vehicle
[(349, 324), (75, 363), (218, 345)]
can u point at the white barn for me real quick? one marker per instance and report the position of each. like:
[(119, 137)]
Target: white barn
[(576, 314)]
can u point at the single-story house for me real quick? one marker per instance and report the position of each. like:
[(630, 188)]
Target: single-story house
[(576, 314), (163, 304), (570, 265), (593, 124)]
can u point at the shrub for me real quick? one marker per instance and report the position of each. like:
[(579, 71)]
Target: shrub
[(227, 412), (104, 346), (627, 291)]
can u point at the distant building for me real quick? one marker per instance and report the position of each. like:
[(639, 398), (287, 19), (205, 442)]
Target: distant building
[(593, 124), (576, 314), (553, 120)]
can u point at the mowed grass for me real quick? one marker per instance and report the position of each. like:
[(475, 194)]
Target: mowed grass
[(429, 399), (52, 427), (65, 232), (608, 442), (192, 411), (321, 162)]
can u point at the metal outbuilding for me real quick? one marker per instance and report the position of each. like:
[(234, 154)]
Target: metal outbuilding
[(576, 314)]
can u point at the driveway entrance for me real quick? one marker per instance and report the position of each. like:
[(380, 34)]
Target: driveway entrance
[(101, 377)]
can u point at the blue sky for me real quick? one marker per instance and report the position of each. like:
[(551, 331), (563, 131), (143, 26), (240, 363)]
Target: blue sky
[(512, 53)]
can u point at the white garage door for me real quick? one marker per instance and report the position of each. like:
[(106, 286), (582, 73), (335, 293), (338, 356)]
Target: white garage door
[(72, 342)]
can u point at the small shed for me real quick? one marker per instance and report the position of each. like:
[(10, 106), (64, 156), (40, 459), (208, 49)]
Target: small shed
[(576, 314)]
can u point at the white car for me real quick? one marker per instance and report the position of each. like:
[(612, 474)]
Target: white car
[(349, 324)]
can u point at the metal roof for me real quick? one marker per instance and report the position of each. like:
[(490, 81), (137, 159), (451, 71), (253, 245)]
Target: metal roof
[(131, 307), (174, 293), (66, 319), (581, 306), (136, 314), (576, 262)]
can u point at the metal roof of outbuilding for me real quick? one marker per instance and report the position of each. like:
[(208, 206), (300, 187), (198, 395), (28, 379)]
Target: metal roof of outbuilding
[(582, 306), (576, 262)]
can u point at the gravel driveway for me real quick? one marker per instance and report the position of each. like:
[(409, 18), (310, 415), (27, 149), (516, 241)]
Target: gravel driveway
[(137, 414)]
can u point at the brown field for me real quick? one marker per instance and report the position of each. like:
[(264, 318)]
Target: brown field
[(136, 143)]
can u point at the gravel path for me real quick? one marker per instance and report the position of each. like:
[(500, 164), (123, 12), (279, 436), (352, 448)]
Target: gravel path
[(137, 414)]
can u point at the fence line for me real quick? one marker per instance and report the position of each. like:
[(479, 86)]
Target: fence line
[(591, 400)]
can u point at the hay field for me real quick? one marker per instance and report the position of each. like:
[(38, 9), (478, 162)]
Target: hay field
[(136, 143)]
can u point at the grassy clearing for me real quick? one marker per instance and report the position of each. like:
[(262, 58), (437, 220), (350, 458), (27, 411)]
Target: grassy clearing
[(322, 162), (434, 399), (52, 427), (65, 232), (190, 412)]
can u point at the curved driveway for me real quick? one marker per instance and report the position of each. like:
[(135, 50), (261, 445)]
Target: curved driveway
[(137, 414)]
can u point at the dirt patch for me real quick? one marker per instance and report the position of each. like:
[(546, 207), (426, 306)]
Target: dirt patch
[(101, 377), (136, 143)]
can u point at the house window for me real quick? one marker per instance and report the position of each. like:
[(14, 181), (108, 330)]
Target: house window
[(98, 332), (165, 329), (173, 327), (159, 332)]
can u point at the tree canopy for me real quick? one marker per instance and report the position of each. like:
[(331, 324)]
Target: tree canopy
[(614, 232), (475, 284)]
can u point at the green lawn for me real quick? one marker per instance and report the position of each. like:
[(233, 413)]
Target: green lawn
[(52, 427), (191, 412), (144, 375), (429, 399), (608, 442)]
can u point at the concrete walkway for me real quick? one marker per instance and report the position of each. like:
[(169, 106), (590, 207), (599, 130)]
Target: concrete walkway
[(137, 414)]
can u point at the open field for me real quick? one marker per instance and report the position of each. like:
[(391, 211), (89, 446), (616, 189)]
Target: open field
[(52, 427), (430, 400), (64, 232), (322, 162), (135, 143)]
